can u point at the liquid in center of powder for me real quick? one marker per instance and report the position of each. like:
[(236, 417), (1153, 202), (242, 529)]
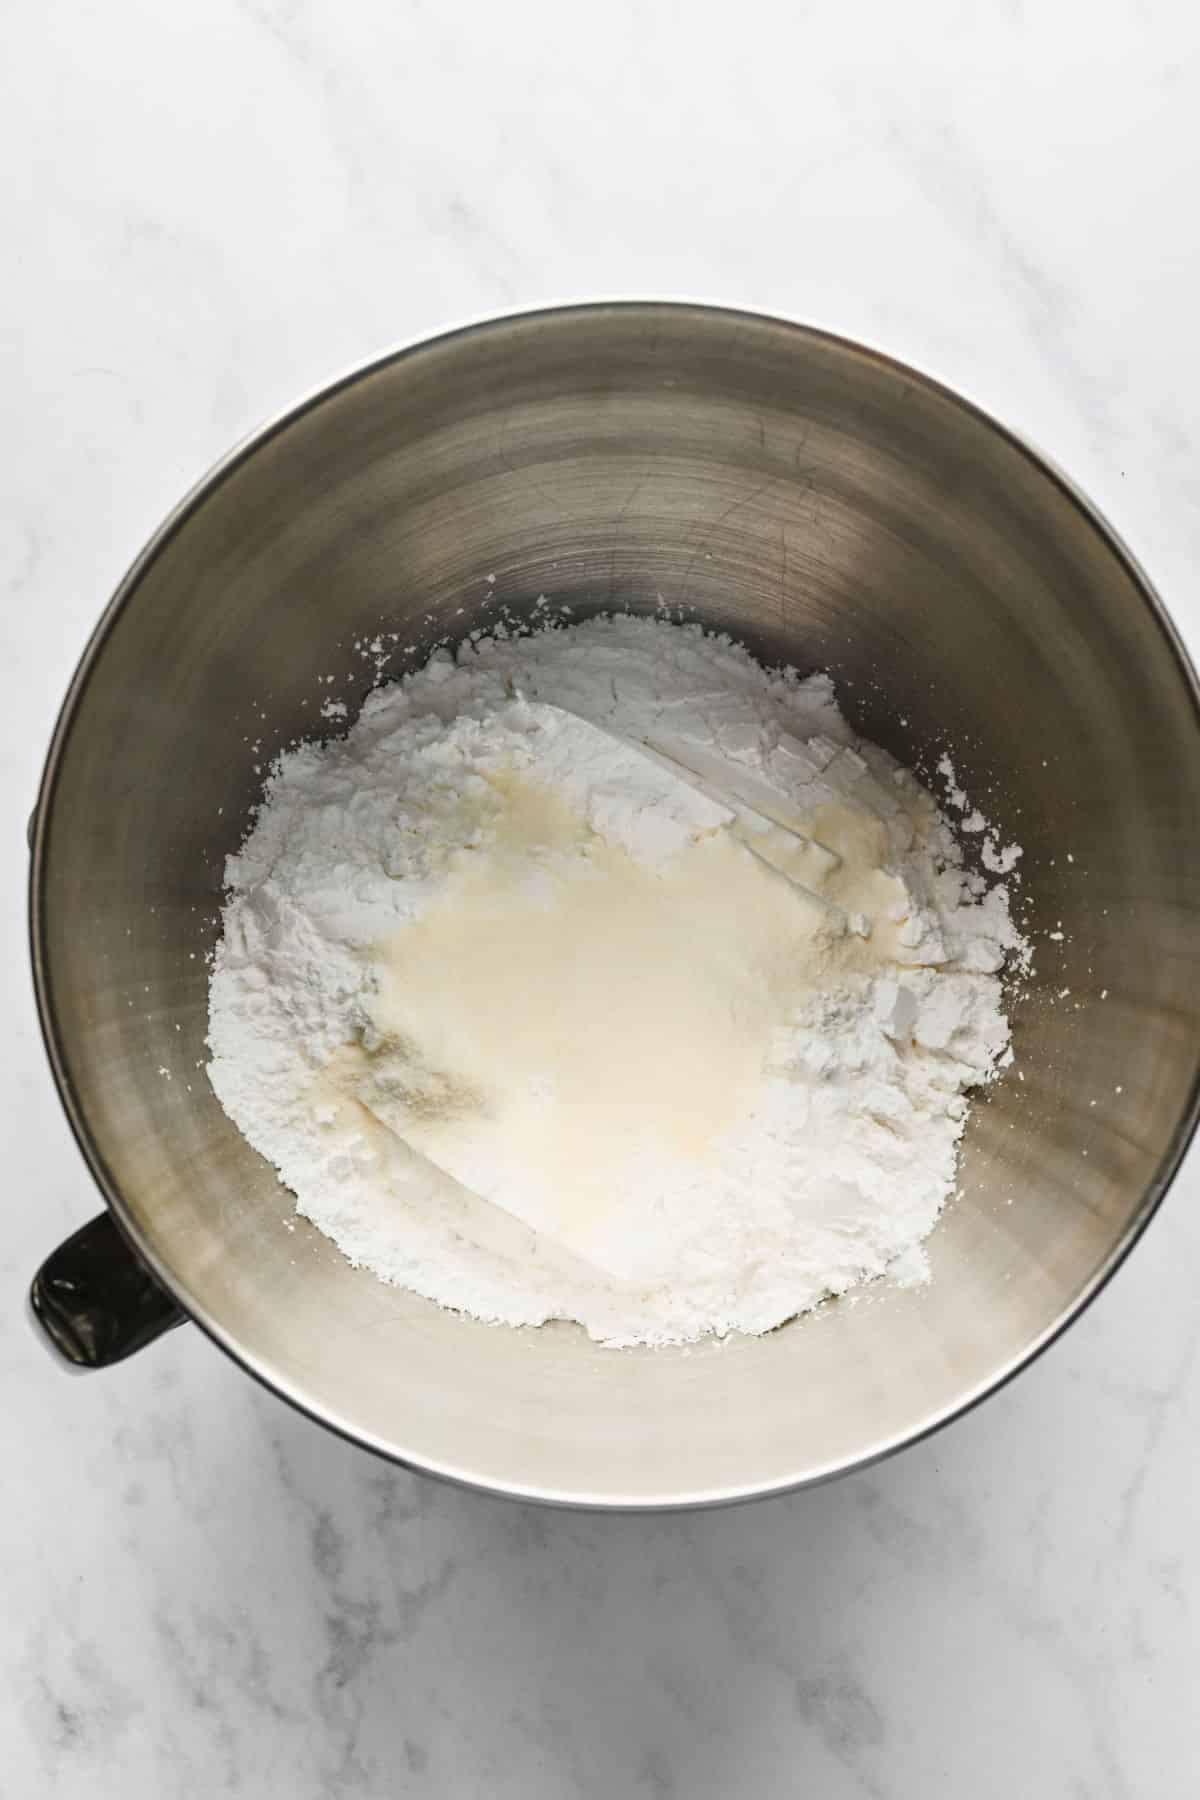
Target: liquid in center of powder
[(558, 995)]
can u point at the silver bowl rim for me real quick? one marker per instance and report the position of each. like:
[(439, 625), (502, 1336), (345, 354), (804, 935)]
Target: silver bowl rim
[(218, 473)]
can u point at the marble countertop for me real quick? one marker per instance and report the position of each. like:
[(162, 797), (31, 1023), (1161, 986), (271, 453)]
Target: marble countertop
[(212, 208)]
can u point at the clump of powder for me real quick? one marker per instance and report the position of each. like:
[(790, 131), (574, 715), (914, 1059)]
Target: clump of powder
[(529, 1027)]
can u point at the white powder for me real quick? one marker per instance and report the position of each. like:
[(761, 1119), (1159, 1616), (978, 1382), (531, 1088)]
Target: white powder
[(526, 1027)]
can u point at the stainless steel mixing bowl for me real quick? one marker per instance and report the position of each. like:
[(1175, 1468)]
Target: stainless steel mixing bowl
[(829, 507)]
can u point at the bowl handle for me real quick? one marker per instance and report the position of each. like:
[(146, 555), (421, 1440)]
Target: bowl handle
[(95, 1299)]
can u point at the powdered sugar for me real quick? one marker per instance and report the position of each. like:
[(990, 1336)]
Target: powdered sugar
[(997, 859), (526, 1030)]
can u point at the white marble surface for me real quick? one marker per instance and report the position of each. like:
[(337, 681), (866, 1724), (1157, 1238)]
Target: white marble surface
[(210, 208)]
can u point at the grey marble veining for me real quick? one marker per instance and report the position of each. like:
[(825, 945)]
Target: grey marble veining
[(217, 208)]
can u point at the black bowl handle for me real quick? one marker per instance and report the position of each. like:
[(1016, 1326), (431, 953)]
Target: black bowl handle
[(97, 1301)]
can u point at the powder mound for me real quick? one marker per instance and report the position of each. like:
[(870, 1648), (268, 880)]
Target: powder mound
[(604, 975)]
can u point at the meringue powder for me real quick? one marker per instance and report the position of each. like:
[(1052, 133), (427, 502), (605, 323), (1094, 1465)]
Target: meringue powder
[(536, 1027)]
